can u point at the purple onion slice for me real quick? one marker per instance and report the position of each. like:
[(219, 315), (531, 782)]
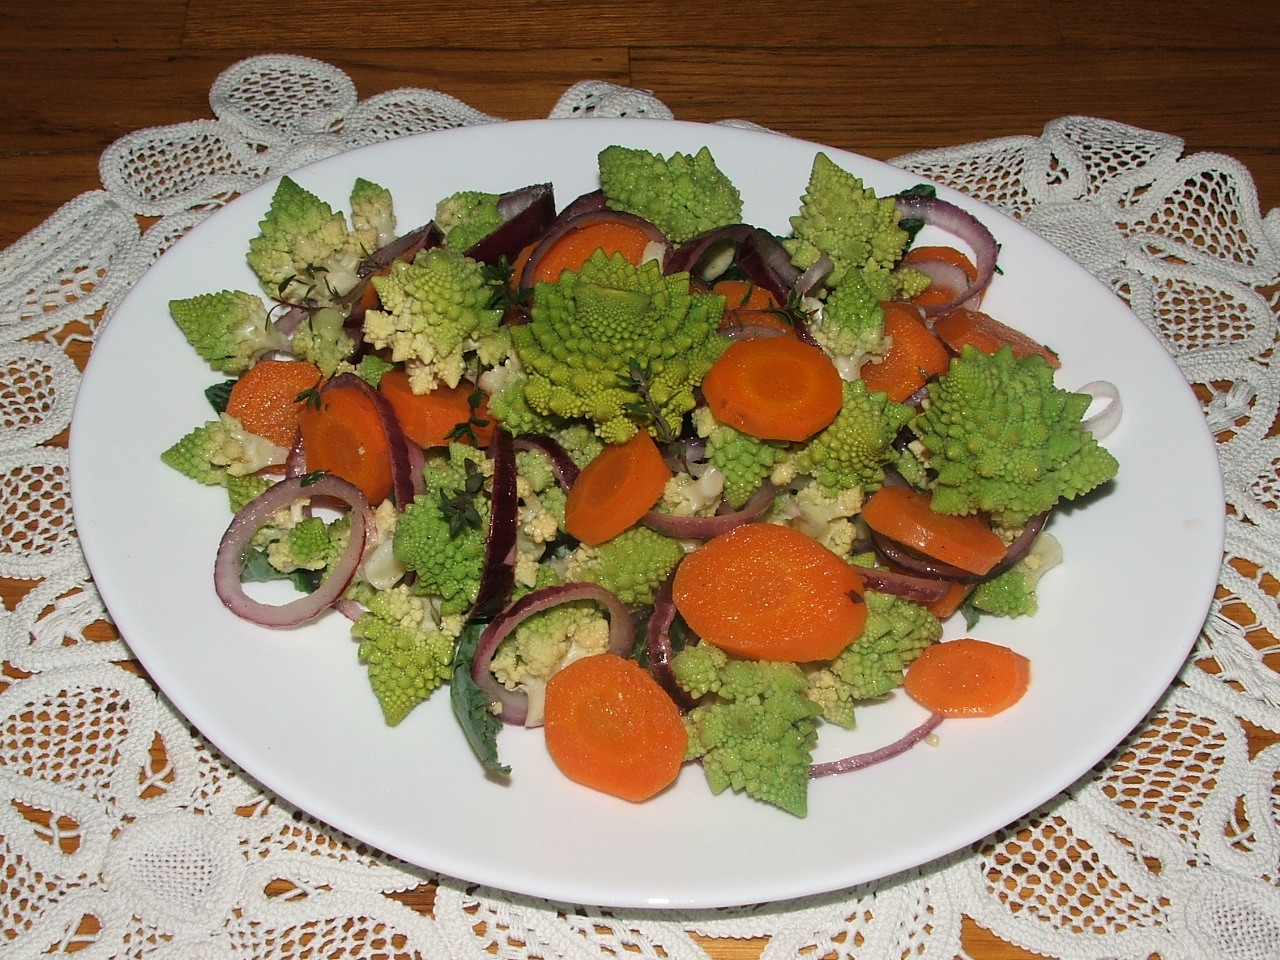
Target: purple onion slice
[(704, 528), (659, 646), (514, 704), (947, 216), (860, 761), (498, 576), (562, 465), (234, 549), (527, 213)]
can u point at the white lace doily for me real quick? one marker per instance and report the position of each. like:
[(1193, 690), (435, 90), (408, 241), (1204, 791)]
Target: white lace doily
[(125, 834)]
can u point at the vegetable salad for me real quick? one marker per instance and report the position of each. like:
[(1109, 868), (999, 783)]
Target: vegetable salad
[(671, 486)]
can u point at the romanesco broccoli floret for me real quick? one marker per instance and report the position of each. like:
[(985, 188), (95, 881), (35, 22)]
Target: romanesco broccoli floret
[(826, 517), (311, 544), (544, 644), (1013, 592), (441, 535), (594, 333), (229, 329), (744, 460), (853, 449), (579, 441), (373, 218), (240, 490), (467, 217), (847, 222), (849, 325), (631, 565), (222, 448), (304, 250), (871, 666), (407, 655), (682, 196), (1003, 440), (322, 338), (371, 368), (753, 728), (435, 312)]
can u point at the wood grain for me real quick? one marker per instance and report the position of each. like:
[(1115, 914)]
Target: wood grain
[(880, 77)]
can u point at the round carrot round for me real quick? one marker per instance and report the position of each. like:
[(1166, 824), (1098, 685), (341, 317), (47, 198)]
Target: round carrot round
[(611, 727), (914, 354), (428, 419), (905, 515), (774, 388), (343, 435), (573, 249), (615, 489), (768, 592), (937, 292), (269, 397), (964, 327), (748, 305), (967, 678)]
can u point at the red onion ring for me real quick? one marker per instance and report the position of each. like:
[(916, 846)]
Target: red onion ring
[(704, 528), (947, 216), (498, 575), (919, 589), (233, 552), (514, 704), (860, 761), (918, 564), (659, 645), (562, 465), (526, 214), (1107, 419)]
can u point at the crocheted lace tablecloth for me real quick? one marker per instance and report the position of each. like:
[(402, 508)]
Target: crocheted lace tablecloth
[(125, 834)]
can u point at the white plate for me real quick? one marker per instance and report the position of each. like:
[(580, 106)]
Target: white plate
[(294, 710)]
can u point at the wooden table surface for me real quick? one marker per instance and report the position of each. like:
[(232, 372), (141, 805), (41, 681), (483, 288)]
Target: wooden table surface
[(879, 77)]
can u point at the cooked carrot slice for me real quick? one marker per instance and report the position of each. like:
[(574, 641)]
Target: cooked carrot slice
[(938, 293), (769, 592), (615, 489), (914, 354), (964, 327), (343, 435), (429, 419), (905, 516), (611, 727), (573, 249), (269, 397), (774, 388), (967, 678)]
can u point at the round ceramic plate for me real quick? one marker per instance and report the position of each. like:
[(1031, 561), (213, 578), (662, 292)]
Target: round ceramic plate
[(293, 707)]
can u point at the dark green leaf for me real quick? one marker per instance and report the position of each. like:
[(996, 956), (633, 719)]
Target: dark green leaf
[(471, 704), (219, 395)]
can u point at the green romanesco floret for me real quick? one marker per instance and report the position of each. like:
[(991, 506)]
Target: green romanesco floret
[(596, 334), (229, 329), (1013, 593), (853, 450), (441, 535), (322, 338), (683, 196), (745, 461), (467, 217), (222, 448), (371, 368), (407, 655), (304, 250), (580, 442), (753, 728), (849, 325), (841, 218), (311, 544), (435, 313), (373, 218), (632, 565), (505, 385), (826, 517), (1003, 440), (897, 631), (240, 490), (545, 643)]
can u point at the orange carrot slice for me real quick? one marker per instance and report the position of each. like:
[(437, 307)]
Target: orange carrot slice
[(428, 419), (964, 327), (904, 515), (967, 678), (769, 592), (343, 435), (573, 249), (914, 354), (615, 489), (270, 395), (774, 388), (950, 601), (611, 727)]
